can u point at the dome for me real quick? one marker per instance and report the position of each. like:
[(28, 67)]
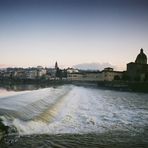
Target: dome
[(141, 58)]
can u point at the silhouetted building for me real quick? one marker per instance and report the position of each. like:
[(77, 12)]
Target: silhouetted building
[(138, 70), (56, 65), (141, 58)]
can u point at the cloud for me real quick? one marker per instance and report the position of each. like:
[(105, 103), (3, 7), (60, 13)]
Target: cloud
[(4, 66), (93, 66)]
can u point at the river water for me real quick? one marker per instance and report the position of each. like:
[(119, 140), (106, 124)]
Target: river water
[(74, 116)]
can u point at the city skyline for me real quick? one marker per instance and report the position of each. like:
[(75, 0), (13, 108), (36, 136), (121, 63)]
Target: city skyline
[(75, 32)]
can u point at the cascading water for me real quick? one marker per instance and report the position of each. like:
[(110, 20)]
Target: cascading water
[(73, 110)]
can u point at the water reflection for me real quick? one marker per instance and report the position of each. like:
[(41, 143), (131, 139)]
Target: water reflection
[(21, 87)]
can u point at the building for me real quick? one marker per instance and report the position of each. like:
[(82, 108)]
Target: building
[(141, 58), (31, 73), (41, 71), (138, 70), (51, 73), (74, 76), (56, 65), (85, 76), (108, 74), (21, 74), (72, 70)]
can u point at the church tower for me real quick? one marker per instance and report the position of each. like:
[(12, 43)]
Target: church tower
[(141, 58), (138, 70), (56, 65)]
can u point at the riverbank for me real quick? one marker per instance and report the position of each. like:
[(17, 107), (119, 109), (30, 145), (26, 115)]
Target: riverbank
[(38, 83), (125, 86), (31, 85), (3, 130)]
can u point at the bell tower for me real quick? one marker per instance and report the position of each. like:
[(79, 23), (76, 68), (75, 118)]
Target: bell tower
[(56, 65)]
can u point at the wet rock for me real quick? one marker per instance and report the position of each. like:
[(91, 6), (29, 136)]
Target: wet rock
[(3, 129)]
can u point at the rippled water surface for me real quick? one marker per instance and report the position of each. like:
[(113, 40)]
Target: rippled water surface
[(74, 116)]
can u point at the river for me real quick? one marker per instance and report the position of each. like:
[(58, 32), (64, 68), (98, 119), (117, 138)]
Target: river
[(74, 116)]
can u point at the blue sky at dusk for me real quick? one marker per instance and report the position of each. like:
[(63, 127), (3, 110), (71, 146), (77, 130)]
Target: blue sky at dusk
[(72, 32)]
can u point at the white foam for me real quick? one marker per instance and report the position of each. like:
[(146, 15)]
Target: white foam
[(84, 110)]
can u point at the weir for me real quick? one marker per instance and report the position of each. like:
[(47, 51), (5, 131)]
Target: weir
[(52, 111), (73, 110)]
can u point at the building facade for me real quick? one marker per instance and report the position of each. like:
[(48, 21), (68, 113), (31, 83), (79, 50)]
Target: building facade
[(108, 74), (138, 70), (84, 76)]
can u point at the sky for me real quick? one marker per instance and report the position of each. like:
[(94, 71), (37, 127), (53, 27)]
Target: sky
[(72, 32)]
